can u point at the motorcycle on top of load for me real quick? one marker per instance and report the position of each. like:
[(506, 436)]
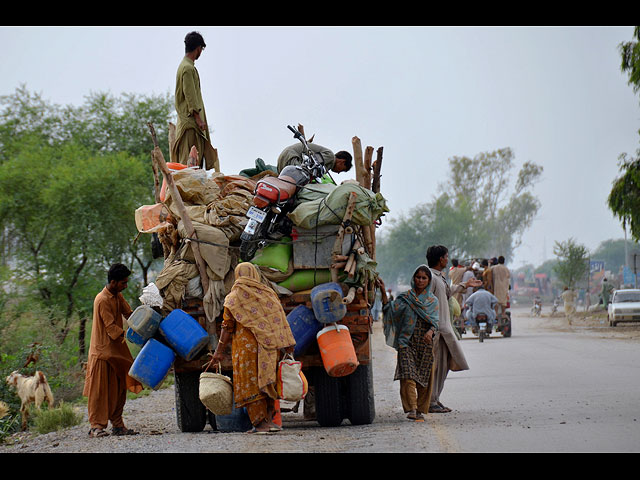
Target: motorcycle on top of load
[(274, 197)]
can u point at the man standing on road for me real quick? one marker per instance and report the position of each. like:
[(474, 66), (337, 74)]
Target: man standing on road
[(447, 352), (501, 284), (192, 128), (107, 379), (607, 289)]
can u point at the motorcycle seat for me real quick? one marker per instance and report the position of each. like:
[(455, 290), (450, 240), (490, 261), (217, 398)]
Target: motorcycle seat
[(269, 188)]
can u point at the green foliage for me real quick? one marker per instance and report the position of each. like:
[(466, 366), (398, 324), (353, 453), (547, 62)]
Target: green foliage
[(630, 54), (573, 262), (104, 123), (624, 198), (70, 212), (612, 252), (9, 424), (498, 216), (475, 215), (70, 181), (53, 419)]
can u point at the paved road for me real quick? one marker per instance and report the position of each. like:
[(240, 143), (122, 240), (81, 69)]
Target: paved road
[(546, 389)]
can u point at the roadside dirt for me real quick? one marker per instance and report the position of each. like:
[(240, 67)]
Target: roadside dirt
[(154, 415), (588, 323)]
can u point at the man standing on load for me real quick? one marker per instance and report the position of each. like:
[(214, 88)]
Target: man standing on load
[(192, 128)]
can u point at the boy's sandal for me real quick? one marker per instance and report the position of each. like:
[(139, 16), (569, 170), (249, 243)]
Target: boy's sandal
[(439, 409), (97, 432)]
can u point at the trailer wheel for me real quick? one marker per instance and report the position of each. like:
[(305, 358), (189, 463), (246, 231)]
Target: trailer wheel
[(329, 401), (362, 409), (190, 412)]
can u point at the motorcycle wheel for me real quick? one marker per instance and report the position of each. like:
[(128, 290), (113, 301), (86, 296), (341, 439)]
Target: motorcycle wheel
[(248, 249), (250, 244), (481, 336)]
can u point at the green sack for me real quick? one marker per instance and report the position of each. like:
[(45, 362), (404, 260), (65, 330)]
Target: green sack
[(306, 279), (275, 255), (331, 209), (314, 191), (454, 307), (259, 168)]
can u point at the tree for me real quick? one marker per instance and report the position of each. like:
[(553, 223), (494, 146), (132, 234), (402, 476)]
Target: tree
[(482, 186), (573, 262), (476, 214), (624, 198), (71, 213), (630, 55), (612, 252), (70, 181)]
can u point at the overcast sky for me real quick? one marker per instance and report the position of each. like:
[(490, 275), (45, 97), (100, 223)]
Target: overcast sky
[(554, 95)]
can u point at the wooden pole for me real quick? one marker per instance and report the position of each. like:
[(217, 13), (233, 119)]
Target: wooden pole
[(377, 166), (156, 179), (172, 141), (337, 245), (188, 225), (357, 159), (368, 157)]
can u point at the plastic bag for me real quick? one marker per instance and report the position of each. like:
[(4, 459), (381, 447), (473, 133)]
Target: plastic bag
[(291, 384), (151, 296)]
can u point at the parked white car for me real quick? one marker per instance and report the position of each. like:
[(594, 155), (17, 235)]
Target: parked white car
[(624, 306)]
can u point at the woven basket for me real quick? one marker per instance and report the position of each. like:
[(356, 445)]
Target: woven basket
[(216, 393)]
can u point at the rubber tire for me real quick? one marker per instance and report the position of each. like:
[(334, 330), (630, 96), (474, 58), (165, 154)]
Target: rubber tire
[(361, 405), (249, 244), (329, 398), (190, 412), (506, 328), (481, 336), (248, 248)]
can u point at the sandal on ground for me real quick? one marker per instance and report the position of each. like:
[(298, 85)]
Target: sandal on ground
[(97, 432), (119, 431), (412, 415), (259, 432), (439, 408), (419, 417)]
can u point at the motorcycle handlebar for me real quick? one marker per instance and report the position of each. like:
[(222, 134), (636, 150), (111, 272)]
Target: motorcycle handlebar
[(296, 133)]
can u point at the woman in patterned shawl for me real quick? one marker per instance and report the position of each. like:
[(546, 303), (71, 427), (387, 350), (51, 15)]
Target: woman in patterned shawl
[(410, 322), (255, 322)]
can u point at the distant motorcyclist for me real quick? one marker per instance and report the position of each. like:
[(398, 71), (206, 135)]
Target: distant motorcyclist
[(536, 309), (481, 302)]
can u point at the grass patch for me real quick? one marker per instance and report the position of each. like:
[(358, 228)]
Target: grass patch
[(53, 419)]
